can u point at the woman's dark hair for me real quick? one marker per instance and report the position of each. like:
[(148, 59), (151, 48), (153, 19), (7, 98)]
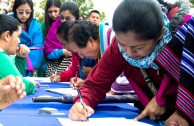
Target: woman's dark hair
[(8, 23), (63, 29), (19, 3), (143, 17), (72, 7), (48, 21), (79, 31)]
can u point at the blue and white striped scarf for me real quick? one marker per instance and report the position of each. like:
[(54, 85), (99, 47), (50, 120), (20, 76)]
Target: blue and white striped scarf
[(148, 61)]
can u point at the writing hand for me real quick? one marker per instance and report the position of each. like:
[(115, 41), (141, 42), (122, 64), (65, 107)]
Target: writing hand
[(55, 78), (77, 112), (152, 110), (67, 53), (76, 84)]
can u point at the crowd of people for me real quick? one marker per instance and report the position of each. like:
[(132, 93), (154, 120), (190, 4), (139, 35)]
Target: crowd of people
[(154, 56)]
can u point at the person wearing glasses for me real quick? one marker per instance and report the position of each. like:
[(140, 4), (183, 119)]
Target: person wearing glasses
[(31, 34), (59, 59), (51, 14)]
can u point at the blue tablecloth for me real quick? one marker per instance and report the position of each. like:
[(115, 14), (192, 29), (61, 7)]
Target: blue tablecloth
[(26, 113)]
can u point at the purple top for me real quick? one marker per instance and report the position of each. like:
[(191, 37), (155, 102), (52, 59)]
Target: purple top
[(51, 42)]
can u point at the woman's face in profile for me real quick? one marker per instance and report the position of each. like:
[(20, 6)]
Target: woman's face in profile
[(13, 42)]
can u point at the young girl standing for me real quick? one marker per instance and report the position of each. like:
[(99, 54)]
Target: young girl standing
[(31, 34)]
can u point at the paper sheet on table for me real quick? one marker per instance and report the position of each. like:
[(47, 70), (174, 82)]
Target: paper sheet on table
[(39, 79), (63, 91), (102, 121), (43, 79)]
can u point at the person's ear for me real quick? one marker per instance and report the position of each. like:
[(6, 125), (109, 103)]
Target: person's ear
[(91, 41), (6, 36)]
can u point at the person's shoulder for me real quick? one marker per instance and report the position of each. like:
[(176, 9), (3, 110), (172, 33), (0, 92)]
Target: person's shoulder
[(105, 23), (113, 45), (55, 25), (2, 53), (34, 20), (5, 57), (11, 14), (104, 26), (57, 22), (34, 23)]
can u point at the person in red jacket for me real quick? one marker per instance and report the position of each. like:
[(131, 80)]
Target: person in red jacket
[(138, 42), (135, 49)]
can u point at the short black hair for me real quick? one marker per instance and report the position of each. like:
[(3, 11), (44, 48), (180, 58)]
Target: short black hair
[(78, 31), (64, 28), (93, 11)]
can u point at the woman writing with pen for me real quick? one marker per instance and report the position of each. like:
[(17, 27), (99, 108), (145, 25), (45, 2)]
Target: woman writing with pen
[(139, 40)]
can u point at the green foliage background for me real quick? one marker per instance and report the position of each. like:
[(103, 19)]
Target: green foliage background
[(85, 7)]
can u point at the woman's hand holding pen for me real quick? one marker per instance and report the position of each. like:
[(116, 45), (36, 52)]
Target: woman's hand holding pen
[(76, 83), (152, 110), (78, 113), (55, 78)]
